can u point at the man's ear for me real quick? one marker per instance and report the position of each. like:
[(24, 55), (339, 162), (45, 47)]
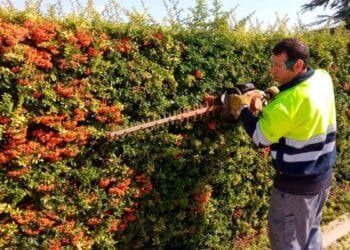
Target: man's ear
[(299, 65)]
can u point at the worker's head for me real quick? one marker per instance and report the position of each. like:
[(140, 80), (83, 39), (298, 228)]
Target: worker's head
[(289, 60)]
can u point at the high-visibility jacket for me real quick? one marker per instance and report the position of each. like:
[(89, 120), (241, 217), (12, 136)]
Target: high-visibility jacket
[(299, 125)]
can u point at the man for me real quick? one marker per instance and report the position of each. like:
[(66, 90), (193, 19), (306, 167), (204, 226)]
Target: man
[(299, 125)]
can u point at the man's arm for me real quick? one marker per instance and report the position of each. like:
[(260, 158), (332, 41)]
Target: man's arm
[(251, 126)]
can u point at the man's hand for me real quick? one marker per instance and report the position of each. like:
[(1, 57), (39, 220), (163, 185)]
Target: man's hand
[(271, 92), (236, 103)]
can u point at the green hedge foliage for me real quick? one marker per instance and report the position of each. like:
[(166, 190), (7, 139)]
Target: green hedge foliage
[(196, 185)]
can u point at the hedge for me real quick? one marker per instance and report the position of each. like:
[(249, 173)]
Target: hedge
[(200, 184)]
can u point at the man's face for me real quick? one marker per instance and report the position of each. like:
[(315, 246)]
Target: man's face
[(282, 70)]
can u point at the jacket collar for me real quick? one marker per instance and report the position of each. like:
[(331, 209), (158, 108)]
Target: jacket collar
[(310, 71)]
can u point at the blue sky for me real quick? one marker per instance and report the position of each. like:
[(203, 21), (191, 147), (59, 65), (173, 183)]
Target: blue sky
[(265, 10)]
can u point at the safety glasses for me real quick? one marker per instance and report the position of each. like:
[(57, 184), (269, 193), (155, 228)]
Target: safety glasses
[(288, 64)]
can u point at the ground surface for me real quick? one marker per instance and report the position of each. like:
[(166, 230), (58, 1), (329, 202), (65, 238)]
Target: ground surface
[(336, 235)]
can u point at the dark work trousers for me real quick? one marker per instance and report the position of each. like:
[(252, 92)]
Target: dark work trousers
[(294, 220)]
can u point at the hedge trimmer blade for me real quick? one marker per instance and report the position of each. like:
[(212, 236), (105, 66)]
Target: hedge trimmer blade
[(184, 116), (257, 99)]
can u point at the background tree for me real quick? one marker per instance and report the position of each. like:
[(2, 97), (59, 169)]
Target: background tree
[(199, 15), (341, 7)]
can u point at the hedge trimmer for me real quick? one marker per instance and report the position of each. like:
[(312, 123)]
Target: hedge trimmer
[(212, 105)]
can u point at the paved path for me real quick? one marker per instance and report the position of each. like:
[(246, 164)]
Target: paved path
[(335, 230)]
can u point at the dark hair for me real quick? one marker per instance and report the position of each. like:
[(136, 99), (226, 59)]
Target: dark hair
[(294, 48)]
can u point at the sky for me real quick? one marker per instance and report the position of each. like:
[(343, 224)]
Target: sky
[(265, 11)]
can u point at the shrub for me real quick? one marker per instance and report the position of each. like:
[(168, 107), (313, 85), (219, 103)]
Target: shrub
[(65, 84)]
